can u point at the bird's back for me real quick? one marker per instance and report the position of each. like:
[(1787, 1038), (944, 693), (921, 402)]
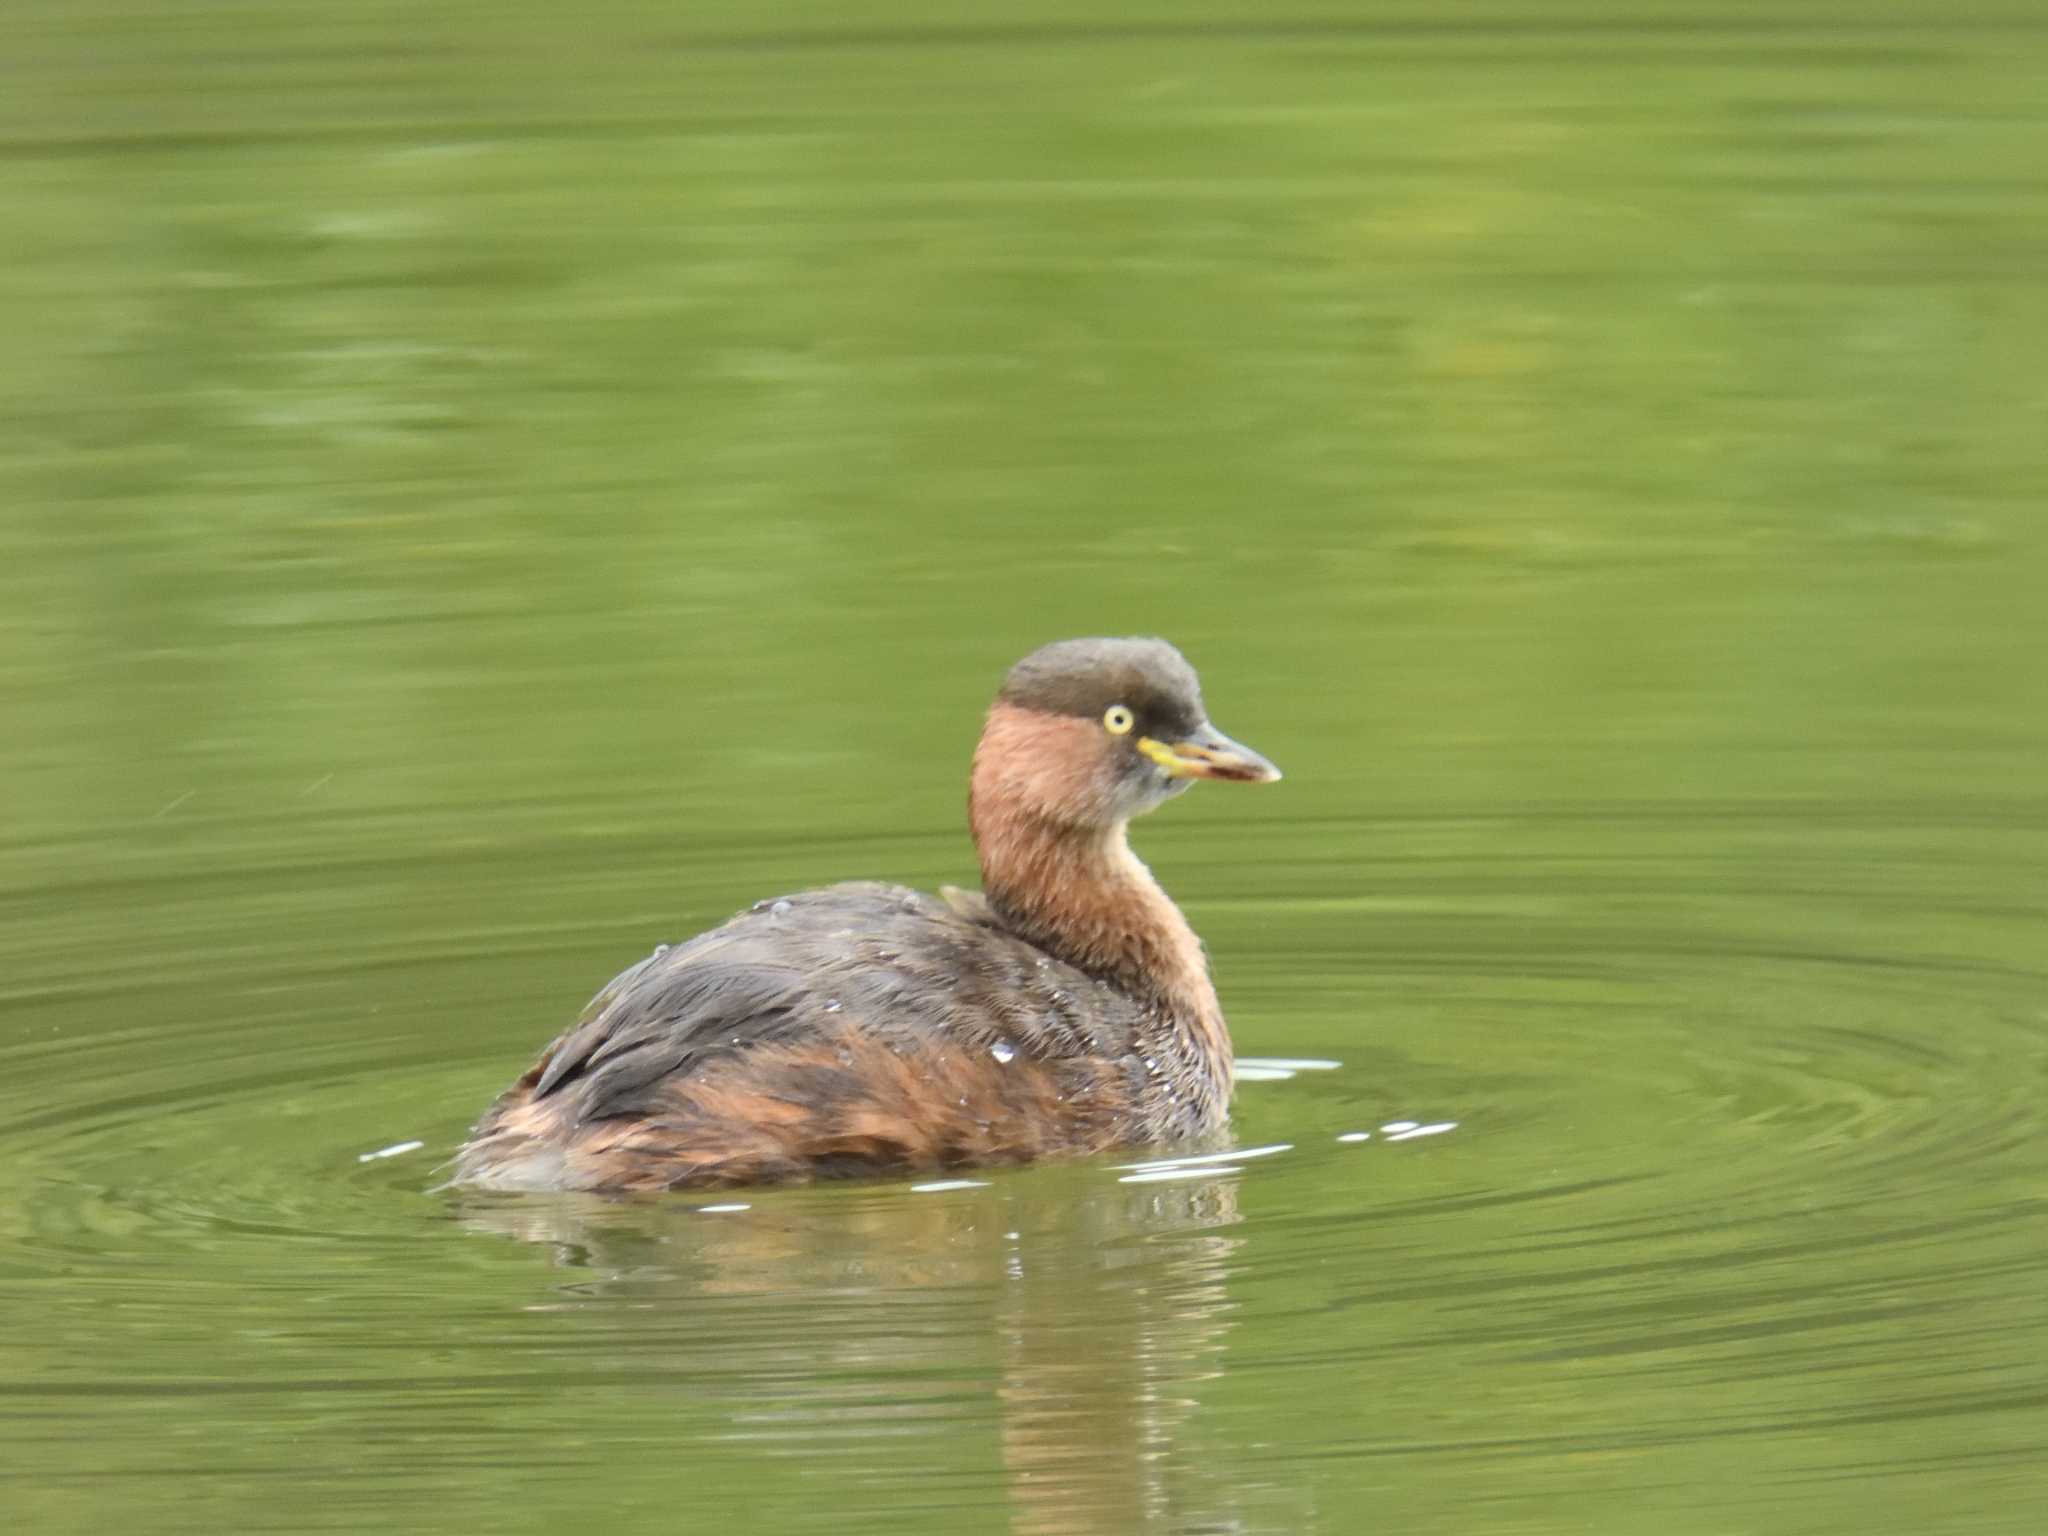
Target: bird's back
[(858, 1028)]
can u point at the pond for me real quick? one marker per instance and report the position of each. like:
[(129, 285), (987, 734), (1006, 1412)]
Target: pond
[(491, 491)]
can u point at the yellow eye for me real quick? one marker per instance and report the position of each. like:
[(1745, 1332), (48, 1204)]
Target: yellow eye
[(1118, 720)]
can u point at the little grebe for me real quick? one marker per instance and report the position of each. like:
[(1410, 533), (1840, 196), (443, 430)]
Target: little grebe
[(867, 1028)]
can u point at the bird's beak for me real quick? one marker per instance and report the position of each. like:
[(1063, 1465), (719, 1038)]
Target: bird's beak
[(1209, 754)]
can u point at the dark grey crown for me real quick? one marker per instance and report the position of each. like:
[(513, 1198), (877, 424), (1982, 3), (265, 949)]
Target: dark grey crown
[(1085, 677)]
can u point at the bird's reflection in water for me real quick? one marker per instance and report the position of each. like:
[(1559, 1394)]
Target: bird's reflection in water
[(1073, 1315)]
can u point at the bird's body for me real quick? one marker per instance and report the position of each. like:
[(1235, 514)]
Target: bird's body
[(869, 1028)]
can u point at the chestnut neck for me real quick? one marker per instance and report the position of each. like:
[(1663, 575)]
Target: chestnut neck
[(1072, 885)]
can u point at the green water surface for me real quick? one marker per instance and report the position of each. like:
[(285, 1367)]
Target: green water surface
[(486, 489)]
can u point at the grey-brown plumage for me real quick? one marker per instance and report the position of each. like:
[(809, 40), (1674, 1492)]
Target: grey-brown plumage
[(868, 1028)]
